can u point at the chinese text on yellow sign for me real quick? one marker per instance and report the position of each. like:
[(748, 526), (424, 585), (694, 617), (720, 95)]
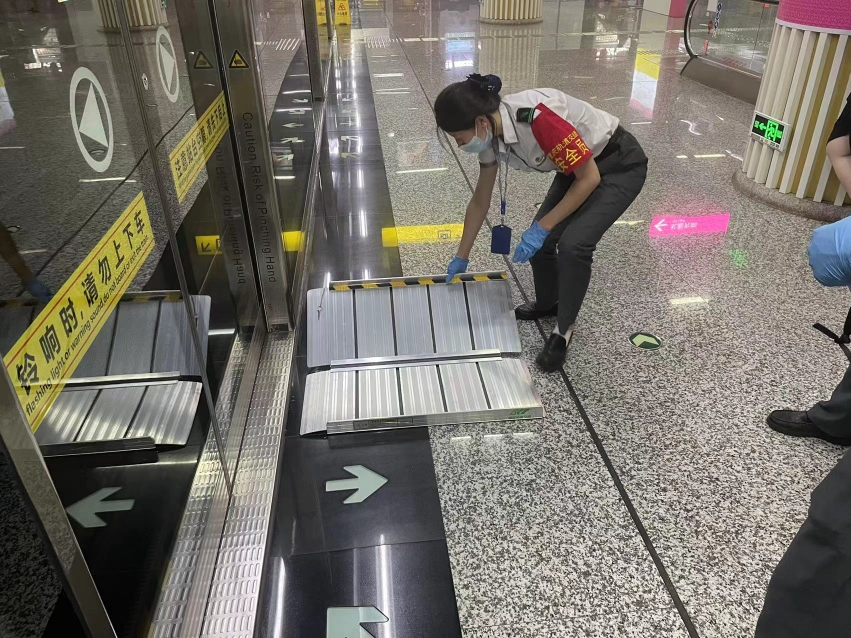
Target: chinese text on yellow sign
[(52, 347), (342, 12), (192, 152)]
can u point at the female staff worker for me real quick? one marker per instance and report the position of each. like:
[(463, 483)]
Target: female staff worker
[(600, 169)]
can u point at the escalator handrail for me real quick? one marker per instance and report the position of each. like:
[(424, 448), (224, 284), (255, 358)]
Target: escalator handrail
[(687, 23), (687, 29)]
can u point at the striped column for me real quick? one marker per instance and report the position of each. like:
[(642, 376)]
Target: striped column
[(511, 53), (143, 14), (511, 11), (806, 82)]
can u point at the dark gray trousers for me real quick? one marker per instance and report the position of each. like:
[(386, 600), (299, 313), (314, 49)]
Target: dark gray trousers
[(834, 416), (809, 595), (562, 267)]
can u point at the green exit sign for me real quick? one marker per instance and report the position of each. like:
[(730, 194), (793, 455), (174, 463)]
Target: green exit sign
[(769, 131)]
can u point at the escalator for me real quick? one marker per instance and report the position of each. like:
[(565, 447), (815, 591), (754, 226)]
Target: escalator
[(728, 44)]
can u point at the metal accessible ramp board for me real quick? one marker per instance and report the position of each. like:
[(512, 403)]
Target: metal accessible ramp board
[(409, 352), (410, 316), (139, 378)]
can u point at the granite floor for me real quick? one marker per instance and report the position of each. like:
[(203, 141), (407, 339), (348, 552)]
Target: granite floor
[(652, 500)]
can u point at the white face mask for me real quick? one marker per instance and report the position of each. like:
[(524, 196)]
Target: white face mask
[(477, 144)]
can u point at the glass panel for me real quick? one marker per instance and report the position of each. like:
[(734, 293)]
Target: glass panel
[(96, 333), (281, 48), (735, 33)]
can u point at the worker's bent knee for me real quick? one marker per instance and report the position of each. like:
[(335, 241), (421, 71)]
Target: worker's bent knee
[(571, 250)]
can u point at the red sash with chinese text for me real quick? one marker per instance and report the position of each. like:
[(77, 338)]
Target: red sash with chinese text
[(559, 140)]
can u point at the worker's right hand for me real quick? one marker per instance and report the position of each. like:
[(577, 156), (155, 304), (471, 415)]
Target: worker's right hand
[(457, 266)]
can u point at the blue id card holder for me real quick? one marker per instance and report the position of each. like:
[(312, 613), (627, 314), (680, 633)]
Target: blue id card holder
[(501, 235), (501, 240)]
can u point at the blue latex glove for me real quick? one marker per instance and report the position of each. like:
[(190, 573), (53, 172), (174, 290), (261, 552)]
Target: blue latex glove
[(530, 243), (39, 291), (830, 253), (456, 267)]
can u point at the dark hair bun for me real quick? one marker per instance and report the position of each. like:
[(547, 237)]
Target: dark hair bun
[(489, 83)]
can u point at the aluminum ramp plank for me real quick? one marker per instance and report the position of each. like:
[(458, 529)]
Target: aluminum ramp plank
[(167, 413), (492, 316), (451, 325), (331, 332), (174, 349), (374, 323), (508, 384), (413, 320), (112, 414), (133, 344), (328, 396), (462, 386), (378, 394), (132, 351), (13, 323), (66, 415), (421, 392)]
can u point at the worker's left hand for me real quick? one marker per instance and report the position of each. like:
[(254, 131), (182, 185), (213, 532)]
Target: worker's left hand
[(530, 242)]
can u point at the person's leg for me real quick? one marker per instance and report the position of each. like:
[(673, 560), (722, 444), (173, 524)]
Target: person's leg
[(604, 206), (826, 420), (9, 253), (545, 262), (810, 591), (834, 416), (839, 152)]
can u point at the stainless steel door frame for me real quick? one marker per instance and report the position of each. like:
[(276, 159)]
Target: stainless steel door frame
[(206, 80), (22, 452), (244, 96), (311, 40)]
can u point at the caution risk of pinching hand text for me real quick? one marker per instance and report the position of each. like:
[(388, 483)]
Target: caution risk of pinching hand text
[(192, 152), (52, 347)]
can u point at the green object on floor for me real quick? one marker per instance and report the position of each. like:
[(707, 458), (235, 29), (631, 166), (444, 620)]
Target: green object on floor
[(740, 257), (645, 341)]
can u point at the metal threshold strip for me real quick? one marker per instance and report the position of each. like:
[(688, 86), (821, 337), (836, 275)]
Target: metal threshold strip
[(412, 352)]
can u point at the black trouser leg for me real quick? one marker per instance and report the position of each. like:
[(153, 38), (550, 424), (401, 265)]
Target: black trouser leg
[(834, 416), (562, 267), (809, 595)]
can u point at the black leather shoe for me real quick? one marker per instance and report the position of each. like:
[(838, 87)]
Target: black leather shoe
[(554, 352), (530, 312), (793, 423)]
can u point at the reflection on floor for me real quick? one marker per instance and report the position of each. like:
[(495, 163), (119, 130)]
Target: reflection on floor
[(543, 532)]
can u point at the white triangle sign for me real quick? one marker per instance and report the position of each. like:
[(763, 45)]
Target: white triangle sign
[(168, 64), (91, 124)]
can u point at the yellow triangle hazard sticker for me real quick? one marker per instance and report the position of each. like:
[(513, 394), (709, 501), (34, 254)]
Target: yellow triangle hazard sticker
[(201, 61), (237, 61)]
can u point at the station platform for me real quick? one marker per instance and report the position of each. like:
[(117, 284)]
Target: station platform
[(391, 462)]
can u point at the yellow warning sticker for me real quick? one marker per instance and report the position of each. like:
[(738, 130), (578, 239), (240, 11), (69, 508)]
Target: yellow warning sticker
[(47, 354), (192, 152), (201, 61), (320, 12), (341, 10), (237, 61), (208, 245), (439, 234)]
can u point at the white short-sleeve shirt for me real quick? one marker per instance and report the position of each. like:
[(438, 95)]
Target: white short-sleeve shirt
[(596, 128)]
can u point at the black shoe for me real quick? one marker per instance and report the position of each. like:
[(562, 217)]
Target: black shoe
[(554, 352), (794, 423), (530, 312)]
